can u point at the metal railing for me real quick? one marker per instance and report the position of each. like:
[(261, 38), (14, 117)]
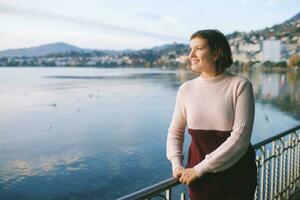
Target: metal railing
[(278, 165)]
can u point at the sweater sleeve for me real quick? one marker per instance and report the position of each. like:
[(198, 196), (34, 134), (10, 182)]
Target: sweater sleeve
[(236, 145), (175, 137)]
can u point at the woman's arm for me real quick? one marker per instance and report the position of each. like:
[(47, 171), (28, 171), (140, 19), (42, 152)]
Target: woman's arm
[(176, 130), (236, 145)]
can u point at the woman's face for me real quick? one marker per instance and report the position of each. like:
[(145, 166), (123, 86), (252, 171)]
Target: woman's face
[(201, 57)]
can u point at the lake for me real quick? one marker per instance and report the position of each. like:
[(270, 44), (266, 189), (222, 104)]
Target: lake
[(100, 133)]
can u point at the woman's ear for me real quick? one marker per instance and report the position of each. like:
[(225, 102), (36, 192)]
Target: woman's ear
[(215, 57)]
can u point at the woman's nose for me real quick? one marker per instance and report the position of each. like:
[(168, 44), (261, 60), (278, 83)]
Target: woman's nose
[(191, 54)]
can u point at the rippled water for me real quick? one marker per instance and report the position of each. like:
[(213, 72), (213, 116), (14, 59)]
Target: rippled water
[(89, 133)]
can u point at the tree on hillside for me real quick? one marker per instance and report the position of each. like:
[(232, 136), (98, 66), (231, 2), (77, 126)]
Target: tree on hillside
[(268, 64), (294, 61), (281, 64)]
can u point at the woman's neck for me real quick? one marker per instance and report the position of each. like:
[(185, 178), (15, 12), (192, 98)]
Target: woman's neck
[(210, 74)]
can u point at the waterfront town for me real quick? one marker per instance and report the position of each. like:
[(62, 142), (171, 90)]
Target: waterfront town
[(275, 46)]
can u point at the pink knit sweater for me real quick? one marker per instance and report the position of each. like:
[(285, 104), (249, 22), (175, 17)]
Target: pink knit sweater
[(223, 103)]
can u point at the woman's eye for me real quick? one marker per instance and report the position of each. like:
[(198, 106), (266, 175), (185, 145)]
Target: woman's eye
[(198, 48)]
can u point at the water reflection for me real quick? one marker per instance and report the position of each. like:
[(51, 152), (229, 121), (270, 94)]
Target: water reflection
[(281, 90), (15, 171), (76, 133)]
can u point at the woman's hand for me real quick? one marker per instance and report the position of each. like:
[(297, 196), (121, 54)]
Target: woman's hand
[(188, 176), (177, 172)]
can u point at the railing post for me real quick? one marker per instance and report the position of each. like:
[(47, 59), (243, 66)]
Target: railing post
[(267, 175), (262, 172), (289, 155), (293, 164), (284, 176), (281, 168), (257, 164), (182, 196), (297, 159), (273, 171), (169, 194)]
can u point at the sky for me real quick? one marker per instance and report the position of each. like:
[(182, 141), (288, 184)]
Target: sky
[(131, 24)]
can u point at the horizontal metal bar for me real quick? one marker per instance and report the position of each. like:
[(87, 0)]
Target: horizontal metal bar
[(276, 137), (152, 190)]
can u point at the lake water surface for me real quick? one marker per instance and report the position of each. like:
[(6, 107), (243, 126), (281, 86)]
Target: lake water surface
[(91, 133)]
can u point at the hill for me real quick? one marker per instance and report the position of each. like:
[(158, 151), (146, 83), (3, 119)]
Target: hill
[(46, 49)]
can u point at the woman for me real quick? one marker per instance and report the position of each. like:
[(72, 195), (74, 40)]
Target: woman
[(218, 108)]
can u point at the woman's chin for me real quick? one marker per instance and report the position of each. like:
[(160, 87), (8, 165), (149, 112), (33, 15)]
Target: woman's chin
[(195, 68)]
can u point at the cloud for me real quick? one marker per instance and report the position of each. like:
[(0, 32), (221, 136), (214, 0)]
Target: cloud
[(149, 16), (249, 1), (172, 20), (266, 2), (271, 2), (7, 2), (158, 18), (86, 22)]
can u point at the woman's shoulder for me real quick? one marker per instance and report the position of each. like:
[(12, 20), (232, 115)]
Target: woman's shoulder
[(238, 83), (187, 84), (237, 79)]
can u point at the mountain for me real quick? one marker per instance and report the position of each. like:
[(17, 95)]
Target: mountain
[(46, 49), (161, 48), (293, 19)]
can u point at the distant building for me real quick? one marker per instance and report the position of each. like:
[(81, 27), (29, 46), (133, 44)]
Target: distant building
[(249, 47), (241, 57), (272, 50), (183, 59)]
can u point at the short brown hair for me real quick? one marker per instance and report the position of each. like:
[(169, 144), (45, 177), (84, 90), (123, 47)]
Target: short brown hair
[(219, 46)]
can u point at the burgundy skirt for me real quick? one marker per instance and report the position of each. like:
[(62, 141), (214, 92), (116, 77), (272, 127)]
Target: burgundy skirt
[(235, 183)]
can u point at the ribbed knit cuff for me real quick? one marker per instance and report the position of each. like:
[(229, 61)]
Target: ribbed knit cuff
[(176, 162), (202, 168)]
